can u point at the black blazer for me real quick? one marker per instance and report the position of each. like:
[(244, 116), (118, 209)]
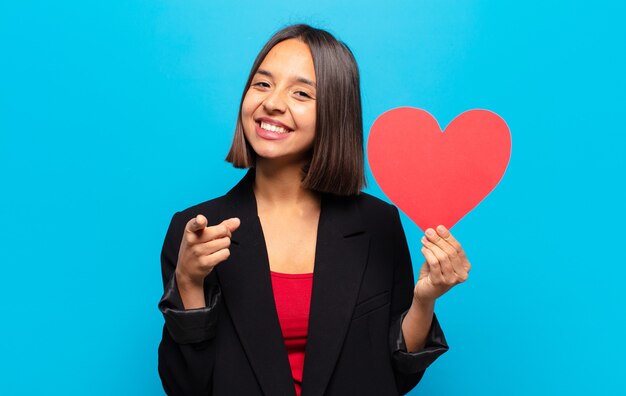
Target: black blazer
[(362, 286)]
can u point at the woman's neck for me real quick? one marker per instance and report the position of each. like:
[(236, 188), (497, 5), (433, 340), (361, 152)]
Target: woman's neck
[(281, 185)]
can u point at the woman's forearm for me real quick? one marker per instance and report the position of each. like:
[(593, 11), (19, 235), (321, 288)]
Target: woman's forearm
[(416, 324), (191, 294)]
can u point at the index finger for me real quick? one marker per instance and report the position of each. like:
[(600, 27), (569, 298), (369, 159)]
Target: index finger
[(445, 234)]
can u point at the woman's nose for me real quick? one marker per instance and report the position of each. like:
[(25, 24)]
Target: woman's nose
[(275, 102)]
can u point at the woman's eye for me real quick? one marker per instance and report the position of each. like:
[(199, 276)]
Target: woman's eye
[(261, 84), (302, 94)]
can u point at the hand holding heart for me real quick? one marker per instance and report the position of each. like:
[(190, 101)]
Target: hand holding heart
[(446, 265)]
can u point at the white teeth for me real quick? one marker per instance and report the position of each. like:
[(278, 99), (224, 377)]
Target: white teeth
[(273, 128)]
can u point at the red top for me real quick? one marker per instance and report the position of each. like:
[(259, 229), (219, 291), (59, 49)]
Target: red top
[(292, 293)]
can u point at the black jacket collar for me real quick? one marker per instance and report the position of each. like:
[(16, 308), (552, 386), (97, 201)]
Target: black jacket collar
[(341, 255)]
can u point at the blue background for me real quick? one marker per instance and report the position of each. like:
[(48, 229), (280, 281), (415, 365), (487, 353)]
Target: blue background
[(116, 114)]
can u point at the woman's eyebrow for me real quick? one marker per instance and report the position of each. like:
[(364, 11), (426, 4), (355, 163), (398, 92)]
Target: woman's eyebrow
[(299, 79), (306, 81)]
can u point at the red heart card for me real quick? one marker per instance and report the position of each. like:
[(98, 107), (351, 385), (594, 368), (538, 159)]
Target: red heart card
[(437, 177)]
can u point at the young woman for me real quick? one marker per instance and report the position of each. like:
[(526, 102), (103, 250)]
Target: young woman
[(295, 282)]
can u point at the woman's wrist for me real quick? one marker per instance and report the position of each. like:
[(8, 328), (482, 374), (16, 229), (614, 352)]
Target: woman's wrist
[(184, 280), (417, 323), (423, 302), (191, 291)]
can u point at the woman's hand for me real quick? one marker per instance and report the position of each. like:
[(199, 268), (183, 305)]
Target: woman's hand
[(201, 249), (446, 265)]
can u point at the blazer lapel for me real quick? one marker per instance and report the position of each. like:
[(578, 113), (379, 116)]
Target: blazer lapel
[(341, 255), (340, 258), (245, 282)]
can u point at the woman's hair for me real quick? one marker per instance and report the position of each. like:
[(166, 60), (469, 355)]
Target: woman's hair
[(336, 164)]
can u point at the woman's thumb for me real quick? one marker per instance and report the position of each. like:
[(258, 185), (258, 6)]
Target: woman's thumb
[(232, 223)]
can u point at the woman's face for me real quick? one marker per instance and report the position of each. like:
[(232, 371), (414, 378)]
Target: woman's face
[(278, 111)]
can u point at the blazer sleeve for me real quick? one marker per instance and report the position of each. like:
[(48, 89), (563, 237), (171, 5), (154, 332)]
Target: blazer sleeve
[(409, 367), (187, 350)]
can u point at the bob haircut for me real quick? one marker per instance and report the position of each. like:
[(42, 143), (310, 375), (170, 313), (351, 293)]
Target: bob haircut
[(336, 165)]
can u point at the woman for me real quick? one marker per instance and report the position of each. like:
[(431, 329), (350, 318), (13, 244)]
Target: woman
[(294, 282)]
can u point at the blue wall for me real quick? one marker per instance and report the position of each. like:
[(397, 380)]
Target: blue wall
[(115, 114)]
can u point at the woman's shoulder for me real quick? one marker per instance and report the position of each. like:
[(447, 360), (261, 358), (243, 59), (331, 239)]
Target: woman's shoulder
[(373, 202), (219, 208), (211, 204), (369, 201), (372, 207), (210, 209), (373, 214)]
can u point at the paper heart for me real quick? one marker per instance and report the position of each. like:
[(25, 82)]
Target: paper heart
[(434, 177)]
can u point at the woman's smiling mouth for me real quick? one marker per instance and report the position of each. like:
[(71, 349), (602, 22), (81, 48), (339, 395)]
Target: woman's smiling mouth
[(271, 131), (274, 128)]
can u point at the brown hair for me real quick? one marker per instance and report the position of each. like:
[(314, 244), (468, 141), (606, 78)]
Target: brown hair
[(337, 164)]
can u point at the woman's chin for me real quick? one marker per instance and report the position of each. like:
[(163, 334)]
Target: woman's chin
[(281, 159)]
